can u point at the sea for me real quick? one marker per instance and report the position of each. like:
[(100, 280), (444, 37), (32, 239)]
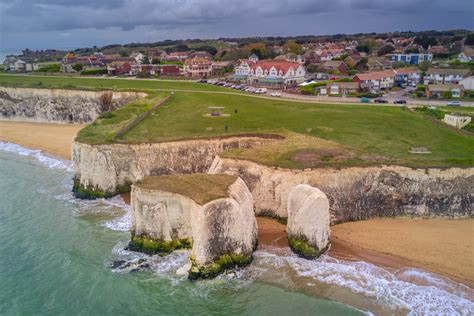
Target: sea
[(63, 256)]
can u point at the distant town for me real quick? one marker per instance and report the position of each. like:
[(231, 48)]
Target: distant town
[(432, 64)]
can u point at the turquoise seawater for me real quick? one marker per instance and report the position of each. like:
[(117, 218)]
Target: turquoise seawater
[(56, 254)]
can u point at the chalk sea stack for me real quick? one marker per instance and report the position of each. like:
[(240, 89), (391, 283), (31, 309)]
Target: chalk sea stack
[(212, 214)]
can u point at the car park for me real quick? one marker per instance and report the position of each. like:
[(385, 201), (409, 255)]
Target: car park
[(454, 103)]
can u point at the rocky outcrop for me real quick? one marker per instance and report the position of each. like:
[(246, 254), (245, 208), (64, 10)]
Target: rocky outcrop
[(308, 221), (57, 105), (107, 168), (223, 231), (361, 193)]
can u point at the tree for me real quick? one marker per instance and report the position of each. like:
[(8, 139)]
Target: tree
[(424, 65), (362, 63), (399, 64), (447, 95), (363, 48), (292, 47), (77, 67), (387, 49), (469, 39), (426, 41), (145, 60), (156, 61), (412, 51), (124, 53), (312, 68)]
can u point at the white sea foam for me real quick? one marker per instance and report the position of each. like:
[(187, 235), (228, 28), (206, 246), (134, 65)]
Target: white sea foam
[(418, 291), (48, 161), (124, 222)]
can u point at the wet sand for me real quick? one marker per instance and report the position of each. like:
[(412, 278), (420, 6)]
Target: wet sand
[(54, 139)]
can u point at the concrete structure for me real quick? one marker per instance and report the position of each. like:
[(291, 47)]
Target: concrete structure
[(439, 90), (445, 76), (412, 59), (456, 120), (376, 81)]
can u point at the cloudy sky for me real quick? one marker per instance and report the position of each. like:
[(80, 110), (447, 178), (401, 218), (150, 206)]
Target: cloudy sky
[(79, 23)]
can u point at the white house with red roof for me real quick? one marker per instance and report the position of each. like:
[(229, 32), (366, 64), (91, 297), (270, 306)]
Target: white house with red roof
[(376, 81), (270, 72)]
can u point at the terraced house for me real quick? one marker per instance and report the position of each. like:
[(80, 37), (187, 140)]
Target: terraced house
[(376, 81), (270, 72), (445, 76)]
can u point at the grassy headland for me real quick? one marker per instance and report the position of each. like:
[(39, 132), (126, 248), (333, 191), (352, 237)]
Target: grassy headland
[(316, 135)]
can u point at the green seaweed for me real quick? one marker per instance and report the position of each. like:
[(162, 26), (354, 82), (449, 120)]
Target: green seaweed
[(303, 249), (161, 247), (223, 263), (85, 193)]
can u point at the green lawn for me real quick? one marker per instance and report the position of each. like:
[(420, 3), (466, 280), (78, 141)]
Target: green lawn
[(30, 81), (356, 134)]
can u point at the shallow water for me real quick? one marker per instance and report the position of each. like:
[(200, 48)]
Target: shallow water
[(56, 255)]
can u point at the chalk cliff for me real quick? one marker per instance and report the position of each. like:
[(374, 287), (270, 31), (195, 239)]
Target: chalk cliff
[(308, 221), (361, 193), (57, 105), (105, 168), (223, 231)]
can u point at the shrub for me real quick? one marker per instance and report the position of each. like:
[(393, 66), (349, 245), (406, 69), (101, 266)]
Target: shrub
[(49, 68), (94, 72), (302, 248)]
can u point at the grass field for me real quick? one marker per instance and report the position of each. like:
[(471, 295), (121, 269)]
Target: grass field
[(28, 81), (316, 135)]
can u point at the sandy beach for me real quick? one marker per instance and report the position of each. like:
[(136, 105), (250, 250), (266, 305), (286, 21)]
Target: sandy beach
[(439, 245), (54, 139)]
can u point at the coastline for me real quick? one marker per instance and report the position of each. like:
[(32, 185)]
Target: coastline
[(430, 244)]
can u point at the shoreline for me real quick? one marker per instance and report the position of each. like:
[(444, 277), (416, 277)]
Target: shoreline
[(383, 242)]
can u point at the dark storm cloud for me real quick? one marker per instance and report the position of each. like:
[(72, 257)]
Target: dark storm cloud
[(142, 20)]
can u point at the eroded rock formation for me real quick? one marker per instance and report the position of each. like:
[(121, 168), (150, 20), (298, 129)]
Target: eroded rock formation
[(57, 105), (308, 221), (223, 231)]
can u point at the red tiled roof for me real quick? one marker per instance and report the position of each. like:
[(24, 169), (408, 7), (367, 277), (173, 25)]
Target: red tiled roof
[(280, 65), (406, 71)]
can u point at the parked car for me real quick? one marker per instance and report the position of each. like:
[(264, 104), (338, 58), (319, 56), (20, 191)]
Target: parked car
[(261, 90), (400, 101), (365, 100), (454, 103), (380, 101), (275, 94)]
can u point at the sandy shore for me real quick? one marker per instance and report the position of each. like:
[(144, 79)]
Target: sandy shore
[(54, 139)]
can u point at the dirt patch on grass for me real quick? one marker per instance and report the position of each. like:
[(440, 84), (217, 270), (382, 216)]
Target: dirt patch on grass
[(313, 156)]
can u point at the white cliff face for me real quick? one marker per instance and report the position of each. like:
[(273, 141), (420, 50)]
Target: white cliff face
[(106, 167), (225, 226), (56, 105), (308, 216), (161, 215), (222, 226), (360, 193)]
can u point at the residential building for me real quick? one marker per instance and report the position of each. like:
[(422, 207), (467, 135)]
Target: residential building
[(22, 66), (405, 76), (378, 64), (148, 69), (270, 72), (335, 66), (445, 76), (458, 121), (291, 58), (343, 88), (201, 54), (177, 56), (254, 57), (138, 57), (376, 81), (412, 59), (466, 55), (467, 83), (198, 67), (440, 90), (117, 68), (170, 70)]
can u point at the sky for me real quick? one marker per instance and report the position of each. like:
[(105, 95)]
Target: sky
[(68, 24)]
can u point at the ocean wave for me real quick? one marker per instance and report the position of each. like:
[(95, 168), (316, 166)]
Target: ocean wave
[(46, 160), (417, 291)]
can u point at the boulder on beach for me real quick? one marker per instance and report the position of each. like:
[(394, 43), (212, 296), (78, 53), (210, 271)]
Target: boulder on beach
[(308, 221)]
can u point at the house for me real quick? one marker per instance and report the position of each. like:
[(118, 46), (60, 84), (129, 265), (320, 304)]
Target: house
[(170, 70), (405, 76), (343, 88), (148, 69), (69, 58), (253, 57), (291, 58), (335, 66), (467, 83), (445, 76), (352, 60), (378, 64), (412, 59), (198, 67), (375, 81), (177, 56), (442, 90), (270, 72), (117, 68), (201, 54), (157, 54), (22, 66), (458, 121), (138, 57), (466, 55)]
